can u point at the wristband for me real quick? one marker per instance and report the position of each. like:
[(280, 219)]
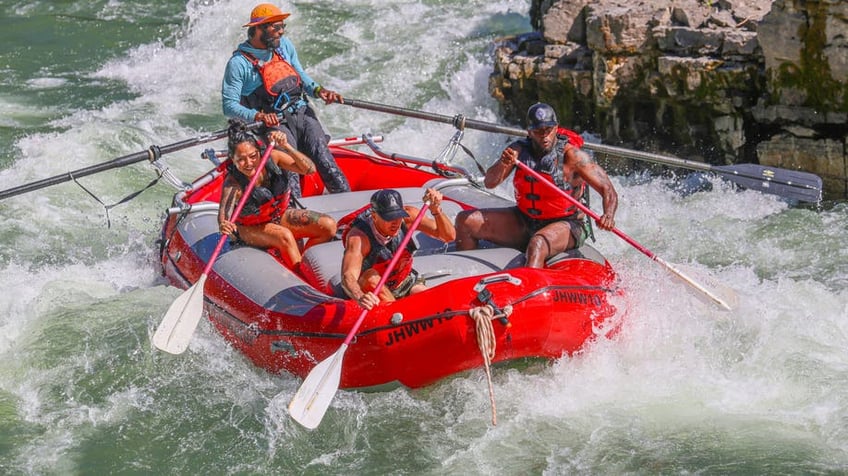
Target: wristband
[(317, 90)]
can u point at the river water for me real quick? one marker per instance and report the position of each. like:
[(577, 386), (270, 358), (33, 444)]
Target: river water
[(683, 389)]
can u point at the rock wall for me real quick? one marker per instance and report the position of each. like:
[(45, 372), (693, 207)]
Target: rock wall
[(715, 80)]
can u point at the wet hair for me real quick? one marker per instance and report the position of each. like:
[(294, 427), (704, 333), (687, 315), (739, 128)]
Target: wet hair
[(236, 134)]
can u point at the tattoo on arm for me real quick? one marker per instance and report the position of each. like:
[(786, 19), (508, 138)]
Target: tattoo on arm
[(228, 203), (300, 218), (310, 167), (600, 176), (302, 162), (584, 159)]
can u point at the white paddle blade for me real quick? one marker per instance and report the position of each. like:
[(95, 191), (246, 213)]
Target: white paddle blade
[(175, 331), (708, 288), (312, 399)]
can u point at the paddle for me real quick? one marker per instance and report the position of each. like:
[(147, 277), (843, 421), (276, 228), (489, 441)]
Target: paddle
[(151, 154), (790, 184), (312, 399), (179, 323), (715, 292)]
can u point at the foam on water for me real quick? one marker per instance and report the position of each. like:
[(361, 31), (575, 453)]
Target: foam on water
[(682, 387)]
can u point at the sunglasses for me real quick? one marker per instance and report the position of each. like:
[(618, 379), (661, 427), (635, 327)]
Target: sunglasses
[(542, 131), (276, 27)]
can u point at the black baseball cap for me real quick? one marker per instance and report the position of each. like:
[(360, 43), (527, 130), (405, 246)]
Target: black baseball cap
[(541, 115), (388, 204)]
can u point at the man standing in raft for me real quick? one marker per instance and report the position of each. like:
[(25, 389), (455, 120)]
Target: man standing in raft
[(264, 78), (373, 239), (543, 223), (266, 221)]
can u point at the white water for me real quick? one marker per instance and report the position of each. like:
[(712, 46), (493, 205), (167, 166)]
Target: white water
[(683, 388)]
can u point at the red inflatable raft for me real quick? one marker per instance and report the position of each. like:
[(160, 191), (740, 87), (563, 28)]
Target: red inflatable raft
[(283, 322)]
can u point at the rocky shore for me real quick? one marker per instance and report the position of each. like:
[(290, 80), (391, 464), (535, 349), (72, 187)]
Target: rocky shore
[(723, 81)]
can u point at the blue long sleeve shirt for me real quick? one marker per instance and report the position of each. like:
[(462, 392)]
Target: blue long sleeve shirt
[(241, 78)]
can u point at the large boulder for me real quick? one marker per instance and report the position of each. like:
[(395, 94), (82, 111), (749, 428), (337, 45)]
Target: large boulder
[(722, 81)]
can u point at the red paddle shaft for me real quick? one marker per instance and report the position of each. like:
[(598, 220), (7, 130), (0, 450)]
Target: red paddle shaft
[(585, 209)]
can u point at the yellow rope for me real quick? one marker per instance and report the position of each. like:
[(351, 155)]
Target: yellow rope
[(483, 316), (486, 341)]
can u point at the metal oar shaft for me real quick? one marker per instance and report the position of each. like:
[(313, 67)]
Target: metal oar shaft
[(649, 157), (799, 185), (748, 175), (457, 121), (150, 154), (514, 131), (67, 176)]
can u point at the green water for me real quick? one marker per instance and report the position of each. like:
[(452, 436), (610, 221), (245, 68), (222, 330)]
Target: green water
[(683, 389)]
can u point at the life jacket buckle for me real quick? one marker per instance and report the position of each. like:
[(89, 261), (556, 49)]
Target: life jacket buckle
[(289, 104), (283, 99)]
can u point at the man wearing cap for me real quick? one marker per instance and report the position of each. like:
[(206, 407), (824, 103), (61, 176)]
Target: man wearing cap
[(264, 78), (543, 223), (373, 239)]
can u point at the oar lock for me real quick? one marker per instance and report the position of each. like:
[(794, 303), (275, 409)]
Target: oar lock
[(212, 156), (154, 153), (459, 121)]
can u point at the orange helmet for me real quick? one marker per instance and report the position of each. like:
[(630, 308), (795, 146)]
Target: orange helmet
[(266, 13)]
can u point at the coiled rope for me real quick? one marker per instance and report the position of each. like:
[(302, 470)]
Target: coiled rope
[(487, 343)]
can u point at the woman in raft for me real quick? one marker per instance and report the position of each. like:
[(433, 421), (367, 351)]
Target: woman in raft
[(266, 221)]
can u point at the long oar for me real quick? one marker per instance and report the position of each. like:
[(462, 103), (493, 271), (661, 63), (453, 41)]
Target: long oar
[(151, 154), (790, 184), (179, 323), (312, 399), (715, 292)]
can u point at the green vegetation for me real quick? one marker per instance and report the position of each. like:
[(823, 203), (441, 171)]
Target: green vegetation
[(813, 75)]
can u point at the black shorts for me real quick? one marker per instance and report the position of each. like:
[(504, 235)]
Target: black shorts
[(579, 226), (405, 286)]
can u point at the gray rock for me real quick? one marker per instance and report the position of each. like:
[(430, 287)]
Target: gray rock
[(706, 78)]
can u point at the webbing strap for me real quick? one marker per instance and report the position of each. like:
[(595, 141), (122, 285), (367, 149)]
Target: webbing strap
[(123, 200)]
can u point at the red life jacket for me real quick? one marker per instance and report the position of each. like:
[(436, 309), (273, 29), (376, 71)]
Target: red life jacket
[(381, 255), (539, 200), (574, 138), (280, 81), (270, 211), (343, 225), (266, 203)]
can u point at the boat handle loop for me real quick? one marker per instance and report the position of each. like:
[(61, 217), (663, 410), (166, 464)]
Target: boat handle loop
[(496, 278)]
